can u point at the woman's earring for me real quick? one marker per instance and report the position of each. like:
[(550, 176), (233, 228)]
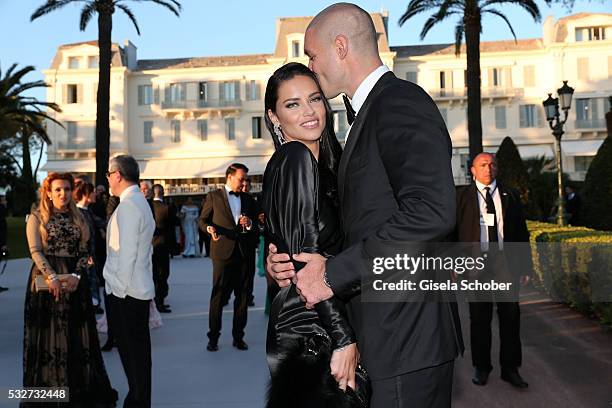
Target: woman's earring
[(279, 133)]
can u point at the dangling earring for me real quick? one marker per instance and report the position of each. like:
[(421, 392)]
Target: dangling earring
[(279, 133)]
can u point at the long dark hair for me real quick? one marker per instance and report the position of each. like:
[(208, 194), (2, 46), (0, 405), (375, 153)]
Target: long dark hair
[(329, 147)]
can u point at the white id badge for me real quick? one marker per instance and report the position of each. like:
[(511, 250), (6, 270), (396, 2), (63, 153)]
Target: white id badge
[(489, 219)]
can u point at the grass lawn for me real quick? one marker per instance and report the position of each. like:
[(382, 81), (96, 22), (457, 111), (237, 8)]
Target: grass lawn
[(17, 243)]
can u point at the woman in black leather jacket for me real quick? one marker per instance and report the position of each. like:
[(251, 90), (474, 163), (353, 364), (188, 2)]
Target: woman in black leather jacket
[(312, 353)]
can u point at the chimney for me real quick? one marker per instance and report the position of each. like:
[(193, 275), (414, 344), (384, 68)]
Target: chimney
[(131, 55)]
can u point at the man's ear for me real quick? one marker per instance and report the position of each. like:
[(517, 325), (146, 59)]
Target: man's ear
[(341, 45)]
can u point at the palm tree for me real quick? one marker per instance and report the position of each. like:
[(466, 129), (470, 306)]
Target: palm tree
[(105, 10), (18, 111), (470, 26)]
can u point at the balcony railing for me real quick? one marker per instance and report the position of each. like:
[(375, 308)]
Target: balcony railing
[(461, 93), (202, 104), (598, 123), (76, 145)]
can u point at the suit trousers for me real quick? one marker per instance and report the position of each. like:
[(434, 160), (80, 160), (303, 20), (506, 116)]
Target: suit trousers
[(427, 388), (509, 316), (161, 272), (229, 275), (130, 322)]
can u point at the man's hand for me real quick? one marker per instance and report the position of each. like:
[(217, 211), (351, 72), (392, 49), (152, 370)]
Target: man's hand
[(279, 267), (213, 233), (310, 281), (245, 221)]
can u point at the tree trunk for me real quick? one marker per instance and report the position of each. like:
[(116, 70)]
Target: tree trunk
[(26, 169), (471, 20), (105, 26)]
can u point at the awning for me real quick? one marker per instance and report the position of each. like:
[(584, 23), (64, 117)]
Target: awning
[(198, 168), (580, 147), (528, 151), (70, 166)]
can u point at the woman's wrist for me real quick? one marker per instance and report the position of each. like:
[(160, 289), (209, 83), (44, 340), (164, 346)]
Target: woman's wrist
[(76, 275)]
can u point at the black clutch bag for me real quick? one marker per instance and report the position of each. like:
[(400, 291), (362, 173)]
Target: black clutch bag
[(303, 378)]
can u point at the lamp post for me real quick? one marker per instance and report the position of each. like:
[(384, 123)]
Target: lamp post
[(551, 108)]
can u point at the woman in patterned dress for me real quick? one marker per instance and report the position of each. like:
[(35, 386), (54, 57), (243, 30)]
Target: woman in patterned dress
[(61, 347)]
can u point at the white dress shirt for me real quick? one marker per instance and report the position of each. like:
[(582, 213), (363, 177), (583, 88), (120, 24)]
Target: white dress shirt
[(234, 203), (482, 205), (364, 89), (128, 269)]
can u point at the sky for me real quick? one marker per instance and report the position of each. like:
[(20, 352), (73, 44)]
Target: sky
[(228, 27)]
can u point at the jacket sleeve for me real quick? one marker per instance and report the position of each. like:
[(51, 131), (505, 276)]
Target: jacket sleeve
[(36, 246), (205, 216), (414, 146), (298, 190)]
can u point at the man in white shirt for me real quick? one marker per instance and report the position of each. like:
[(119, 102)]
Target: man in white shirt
[(128, 276)]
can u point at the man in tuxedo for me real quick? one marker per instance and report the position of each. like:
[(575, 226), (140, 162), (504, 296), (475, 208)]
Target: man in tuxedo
[(162, 241), (253, 242), (226, 216), (395, 184), (128, 277), (491, 213)]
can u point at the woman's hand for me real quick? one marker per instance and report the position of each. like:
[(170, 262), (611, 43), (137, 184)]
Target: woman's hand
[(70, 283), (55, 288), (343, 364)]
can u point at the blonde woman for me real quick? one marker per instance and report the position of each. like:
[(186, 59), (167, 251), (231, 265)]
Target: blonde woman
[(61, 347)]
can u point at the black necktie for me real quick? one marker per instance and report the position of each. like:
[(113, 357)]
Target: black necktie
[(491, 210), (350, 112), (234, 193)]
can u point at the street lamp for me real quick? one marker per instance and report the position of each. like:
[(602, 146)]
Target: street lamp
[(551, 108)]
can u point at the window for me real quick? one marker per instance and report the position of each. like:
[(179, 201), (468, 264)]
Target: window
[(72, 93), (591, 33), (529, 75), (583, 68), (582, 163), (145, 94), (295, 49), (528, 116), (93, 62), (443, 80), (203, 91), (496, 77), (71, 130), (412, 76), (175, 126), (500, 117), (73, 62), (230, 128), (229, 91), (586, 108), (256, 127), (252, 91), (148, 131), (203, 129), (176, 92)]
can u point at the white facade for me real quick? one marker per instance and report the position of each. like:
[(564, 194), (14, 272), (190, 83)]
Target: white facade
[(186, 120)]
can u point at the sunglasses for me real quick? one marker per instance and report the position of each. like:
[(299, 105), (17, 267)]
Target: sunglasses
[(108, 173)]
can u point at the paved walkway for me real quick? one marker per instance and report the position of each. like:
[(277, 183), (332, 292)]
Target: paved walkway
[(567, 358)]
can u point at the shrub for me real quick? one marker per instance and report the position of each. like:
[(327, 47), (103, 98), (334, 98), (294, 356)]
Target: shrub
[(597, 191)]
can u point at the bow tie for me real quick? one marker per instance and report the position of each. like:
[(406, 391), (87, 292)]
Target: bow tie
[(234, 193), (350, 112)]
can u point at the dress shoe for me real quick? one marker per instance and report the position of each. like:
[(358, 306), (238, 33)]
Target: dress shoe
[(163, 309), (514, 378), (99, 310), (240, 345), (2, 289), (212, 346), (480, 377)]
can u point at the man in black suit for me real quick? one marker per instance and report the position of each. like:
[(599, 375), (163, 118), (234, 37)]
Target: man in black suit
[(253, 243), (226, 216), (395, 184), (492, 214), (162, 241), (572, 204)]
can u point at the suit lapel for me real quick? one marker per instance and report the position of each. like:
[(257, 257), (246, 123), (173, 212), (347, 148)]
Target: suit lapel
[(474, 209), (357, 128), (503, 195)]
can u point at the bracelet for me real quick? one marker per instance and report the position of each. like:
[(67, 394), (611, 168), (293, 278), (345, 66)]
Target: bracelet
[(326, 280), (52, 277), (76, 276)]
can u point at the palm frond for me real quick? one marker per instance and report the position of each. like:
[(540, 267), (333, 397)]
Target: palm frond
[(86, 14), (130, 15), (49, 6), (419, 6), (433, 20), (459, 30), (529, 5), (173, 5), (503, 17)]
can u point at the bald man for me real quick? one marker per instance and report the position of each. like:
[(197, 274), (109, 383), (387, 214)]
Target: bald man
[(489, 212), (395, 184)]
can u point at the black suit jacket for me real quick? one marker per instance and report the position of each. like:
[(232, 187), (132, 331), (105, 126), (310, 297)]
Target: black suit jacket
[(515, 226), (164, 224), (395, 184), (217, 213)]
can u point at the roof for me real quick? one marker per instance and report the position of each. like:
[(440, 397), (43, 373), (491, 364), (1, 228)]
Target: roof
[(202, 62), (118, 58), (485, 46)]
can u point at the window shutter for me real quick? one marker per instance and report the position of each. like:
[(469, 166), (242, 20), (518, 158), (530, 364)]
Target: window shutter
[(258, 90), (167, 93), (183, 90), (222, 91), (140, 95), (500, 117), (249, 91), (79, 93), (156, 95), (522, 121), (237, 90)]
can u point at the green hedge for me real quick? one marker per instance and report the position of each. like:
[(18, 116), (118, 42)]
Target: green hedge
[(572, 271)]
